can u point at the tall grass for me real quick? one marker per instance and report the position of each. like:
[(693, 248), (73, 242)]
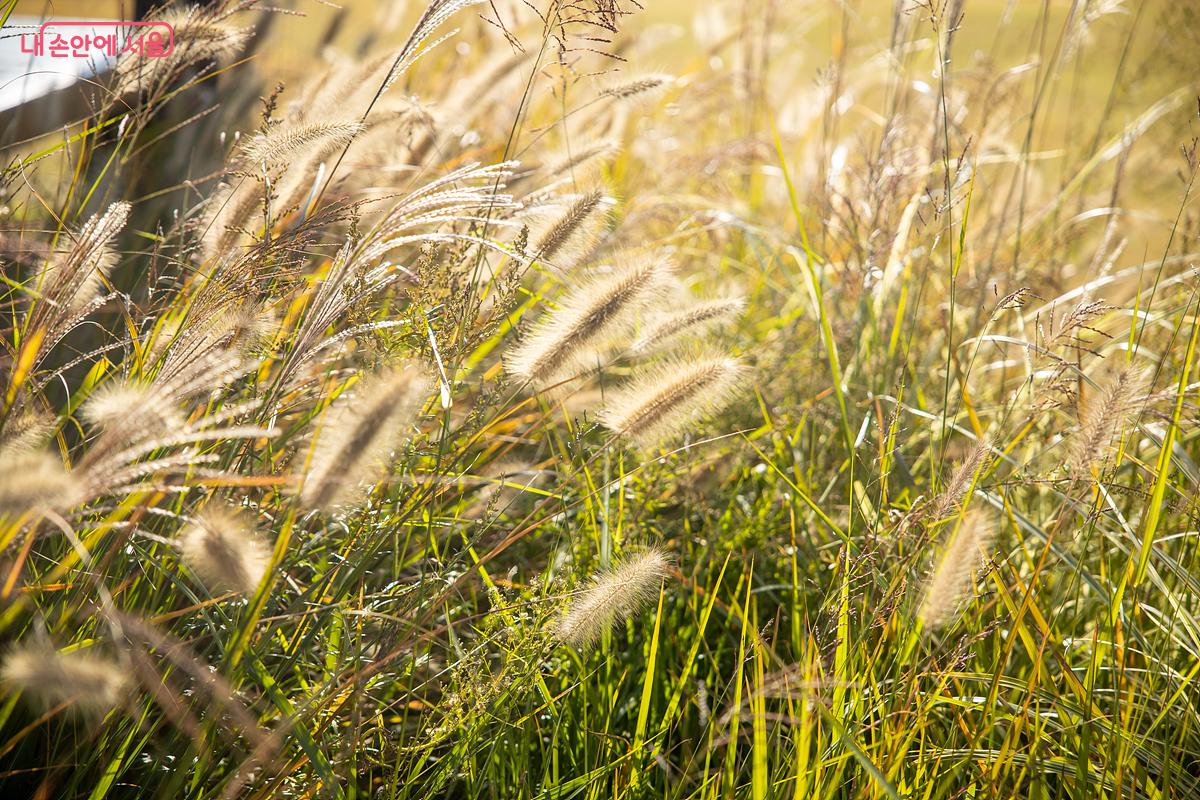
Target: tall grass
[(486, 414)]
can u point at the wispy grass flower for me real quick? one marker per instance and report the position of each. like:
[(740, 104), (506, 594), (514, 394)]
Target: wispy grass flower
[(585, 322), (74, 274), (693, 320), (1118, 402), (92, 684), (358, 433), (224, 550), (613, 596), (130, 404), (961, 480), (667, 400), (34, 479), (571, 236), (951, 579), (293, 140)]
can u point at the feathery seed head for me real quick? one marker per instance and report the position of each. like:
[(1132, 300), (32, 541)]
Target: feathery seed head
[(32, 479), (663, 402), (199, 36), (961, 480), (136, 408), (224, 550), (1119, 401), (73, 275), (25, 431), (294, 141), (644, 85), (693, 320), (358, 433), (951, 579), (613, 596), (586, 321), (92, 684), (571, 236)]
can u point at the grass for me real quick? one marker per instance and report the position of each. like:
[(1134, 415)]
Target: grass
[(285, 510)]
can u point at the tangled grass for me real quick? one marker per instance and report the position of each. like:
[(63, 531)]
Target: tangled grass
[(487, 415)]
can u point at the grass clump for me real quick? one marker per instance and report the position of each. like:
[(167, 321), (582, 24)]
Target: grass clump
[(473, 413)]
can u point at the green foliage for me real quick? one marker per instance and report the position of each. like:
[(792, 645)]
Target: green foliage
[(970, 334)]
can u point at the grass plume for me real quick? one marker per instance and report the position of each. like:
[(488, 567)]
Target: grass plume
[(359, 431), (666, 401), (222, 547), (966, 548), (586, 320), (91, 684), (611, 597), (1118, 401)]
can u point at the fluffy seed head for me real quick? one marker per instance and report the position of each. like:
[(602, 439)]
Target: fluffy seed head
[(663, 402), (643, 85), (1119, 401), (951, 579), (224, 550), (961, 480), (695, 319), (92, 684), (199, 36), (26, 430), (290, 141), (358, 434), (32, 479), (613, 596), (74, 274), (121, 405), (585, 322), (570, 237)]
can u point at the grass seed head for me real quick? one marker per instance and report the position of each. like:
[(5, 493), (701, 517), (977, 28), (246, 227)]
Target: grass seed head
[(693, 320), (951, 579), (74, 274), (137, 408), (34, 479), (358, 433), (224, 550), (665, 401), (586, 321), (1117, 403), (92, 684), (960, 481), (572, 235), (613, 596)]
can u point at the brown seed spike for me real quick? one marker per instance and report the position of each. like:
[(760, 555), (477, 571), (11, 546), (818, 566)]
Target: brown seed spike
[(585, 321), (613, 596), (664, 402), (951, 579)]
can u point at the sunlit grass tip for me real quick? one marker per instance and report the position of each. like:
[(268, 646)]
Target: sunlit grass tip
[(951, 579), (694, 320), (358, 433), (611, 597), (570, 236), (34, 479), (91, 684), (587, 320), (1117, 402), (668, 400), (223, 549)]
